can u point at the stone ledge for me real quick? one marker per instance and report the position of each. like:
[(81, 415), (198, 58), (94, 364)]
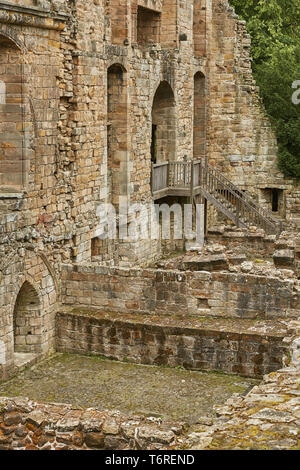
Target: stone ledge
[(187, 323), (195, 344)]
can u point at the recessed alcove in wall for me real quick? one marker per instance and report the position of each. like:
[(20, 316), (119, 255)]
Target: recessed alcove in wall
[(163, 143), (199, 27), (27, 321), (148, 26), (199, 130), (116, 11), (117, 144), (12, 119)]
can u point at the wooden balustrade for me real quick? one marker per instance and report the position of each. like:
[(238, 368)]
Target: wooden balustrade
[(192, 178)]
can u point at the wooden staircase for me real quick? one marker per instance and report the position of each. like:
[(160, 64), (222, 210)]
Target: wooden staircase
[(195, 178)]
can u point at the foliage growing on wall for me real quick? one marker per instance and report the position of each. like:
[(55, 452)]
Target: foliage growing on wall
[(274, 26)]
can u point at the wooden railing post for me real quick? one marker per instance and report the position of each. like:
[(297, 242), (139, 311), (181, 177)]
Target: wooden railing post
[(152, 178), (192, 181), (237, 212)]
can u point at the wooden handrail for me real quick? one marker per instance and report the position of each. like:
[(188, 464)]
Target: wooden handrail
[(188, 175), (233, 195), (245, 196)]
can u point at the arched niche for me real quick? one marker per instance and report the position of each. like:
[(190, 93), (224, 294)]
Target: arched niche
[(199, 128), (27, 321), (163, 142), (117, 138)]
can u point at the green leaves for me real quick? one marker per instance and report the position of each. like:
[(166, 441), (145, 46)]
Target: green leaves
[(274, 26)]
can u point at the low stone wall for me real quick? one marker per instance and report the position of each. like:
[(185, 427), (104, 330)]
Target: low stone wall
[(252, 244), (203, 346), (166, 292), (26, 425)]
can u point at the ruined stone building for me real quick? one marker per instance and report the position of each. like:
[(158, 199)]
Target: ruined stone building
[(95, 95)]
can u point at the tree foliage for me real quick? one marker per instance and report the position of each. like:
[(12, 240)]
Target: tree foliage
[(274, 26)]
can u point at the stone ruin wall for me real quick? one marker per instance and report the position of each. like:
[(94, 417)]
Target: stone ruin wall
[(74, 156), (179, 293), (64, 51), (266, 418), (198, 346), (27, 425), (240, 138)]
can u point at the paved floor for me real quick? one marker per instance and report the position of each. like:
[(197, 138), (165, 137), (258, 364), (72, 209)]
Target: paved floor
[(91, 381)]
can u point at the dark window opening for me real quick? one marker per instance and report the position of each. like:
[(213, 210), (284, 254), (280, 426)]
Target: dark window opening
[(275, 200), (153, 143)]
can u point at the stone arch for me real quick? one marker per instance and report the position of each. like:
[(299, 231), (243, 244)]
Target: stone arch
[(12, 133), (117, 138), (163, 141), (27, 269), (12, 35), (27, 325), (199, 126)]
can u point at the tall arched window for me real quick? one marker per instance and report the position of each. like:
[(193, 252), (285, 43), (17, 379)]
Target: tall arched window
[(117, 143), (163, 146), (199, 116)]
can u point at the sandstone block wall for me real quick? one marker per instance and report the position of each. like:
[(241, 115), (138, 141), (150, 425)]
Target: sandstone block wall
[(179, 293), (246, 354)]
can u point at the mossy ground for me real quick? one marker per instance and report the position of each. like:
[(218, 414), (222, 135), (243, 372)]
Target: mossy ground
[(93, 381)]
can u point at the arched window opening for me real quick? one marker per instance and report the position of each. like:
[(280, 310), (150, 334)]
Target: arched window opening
[(27, 321), (163, 142), (199, 133), (117, 131)]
